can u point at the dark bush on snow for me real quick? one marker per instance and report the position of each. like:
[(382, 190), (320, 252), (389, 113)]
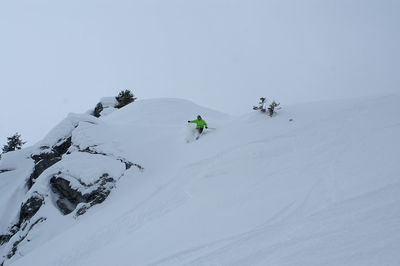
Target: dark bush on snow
[(124, 98), (261, 105), (271, 108), (13, 143)]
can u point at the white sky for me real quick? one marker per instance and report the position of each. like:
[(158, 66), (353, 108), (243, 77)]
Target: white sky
[(58, 57)]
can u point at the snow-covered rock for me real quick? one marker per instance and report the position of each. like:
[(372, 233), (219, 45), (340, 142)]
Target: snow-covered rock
[(57, 175), (106, 106)]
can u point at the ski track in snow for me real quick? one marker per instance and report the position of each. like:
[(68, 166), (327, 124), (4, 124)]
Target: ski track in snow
[(215, 253)]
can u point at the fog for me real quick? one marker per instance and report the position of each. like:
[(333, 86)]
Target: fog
[(58, 57)]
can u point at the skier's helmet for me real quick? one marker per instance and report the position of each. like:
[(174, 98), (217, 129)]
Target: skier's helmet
[(199, 117)]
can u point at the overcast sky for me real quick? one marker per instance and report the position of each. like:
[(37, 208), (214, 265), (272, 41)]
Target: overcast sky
[(58, 57)]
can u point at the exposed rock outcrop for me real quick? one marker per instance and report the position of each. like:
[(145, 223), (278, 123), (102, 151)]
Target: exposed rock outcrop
[(30, 207), (127, 163), (106, 106), (77, 179), (23, 237), (11, 232), (69, 197), (98, 109), (48, 158)]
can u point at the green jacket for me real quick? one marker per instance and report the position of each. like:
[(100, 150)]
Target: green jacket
[(200, 123)]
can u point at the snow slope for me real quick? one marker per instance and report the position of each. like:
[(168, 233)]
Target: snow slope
[(323, 189)]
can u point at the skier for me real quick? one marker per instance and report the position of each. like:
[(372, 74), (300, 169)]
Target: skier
[(200, 124)]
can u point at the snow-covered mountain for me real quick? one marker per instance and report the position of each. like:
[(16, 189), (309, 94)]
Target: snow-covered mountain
[(317, 184)]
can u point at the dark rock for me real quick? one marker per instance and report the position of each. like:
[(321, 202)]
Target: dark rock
[(82, 210), (15, 247), (101, 192), (63, 147), (16, 243), (141, 168), (41, 166), (48, 155), (30, 207), (69, 198), (11, 232), (89, 150), (65, 206), (97, 110), (40, 220), (129, 164), (5, 238), (5, 170), (47, 159)]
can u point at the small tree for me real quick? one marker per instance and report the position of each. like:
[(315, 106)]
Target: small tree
[(272, 107), (262, 107), (13, 143), (124, 97)]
